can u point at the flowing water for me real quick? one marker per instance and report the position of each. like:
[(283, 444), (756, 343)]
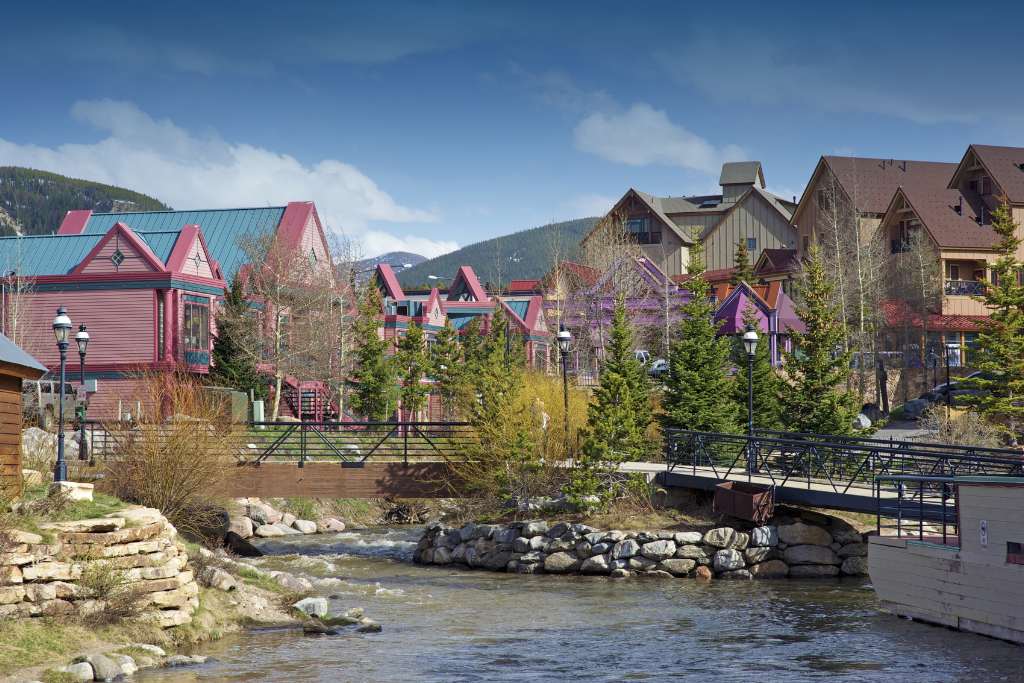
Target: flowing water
[(450, 625)]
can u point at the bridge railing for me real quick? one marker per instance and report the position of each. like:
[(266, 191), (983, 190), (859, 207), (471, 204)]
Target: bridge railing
[(923, 508), (825, 463), (904, 444)]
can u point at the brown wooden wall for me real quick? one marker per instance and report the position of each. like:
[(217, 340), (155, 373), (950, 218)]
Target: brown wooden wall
[(10, 435), (330, 480)]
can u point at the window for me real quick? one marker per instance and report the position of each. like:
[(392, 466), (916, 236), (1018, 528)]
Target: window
[(196, 330), (972, 185), (159, 326), (954, 271), (641, 230), (986, 185), (751, 244), (1014, 553), (824, 200), (807, 243)]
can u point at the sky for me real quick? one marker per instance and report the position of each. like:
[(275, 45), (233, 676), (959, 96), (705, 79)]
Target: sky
[(424, 126)]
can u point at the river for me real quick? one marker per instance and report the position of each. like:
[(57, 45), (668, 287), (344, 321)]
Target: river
[(451, 625)]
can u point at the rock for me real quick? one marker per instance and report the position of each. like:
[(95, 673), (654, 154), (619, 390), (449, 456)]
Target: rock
[(772, 569), (539, 543), (330, 525), (241, 526), (641, 563), (862, 421), (521, 544), (691, 552), (912, 409), (315, 627), (740, 574), (127, 664), (185, 660), (215, 577), (286, 530), (845, 534), (583, 549), (759, 554), (677, 567), (620, 573), (614, 536), (9, 575), (531, 529), (799, 533), (305, 526), (239, 546), (18, 537), (600, 548), (720, 537), (154, 650), (688, 537), (558, 530), (559, 563), (312, 607), (32, 477), (703, 573), (594, 537), (103, 668), (296, 584), (288, 519), (623, 550), (855, 566), (261, 514), (50, 571), (813, 571), (658, 550), (560, 546), (657, 574), (809, 554), (87, 526), (598, 564), (740, 541), (835, 547), (73, 490), (853, 550), (442, 555), (369, 626), (764, 536), (269, 531), (728, 559), (80, 671)]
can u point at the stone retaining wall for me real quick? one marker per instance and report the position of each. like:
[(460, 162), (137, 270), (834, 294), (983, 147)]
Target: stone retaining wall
[(38, 578), (796, 546)]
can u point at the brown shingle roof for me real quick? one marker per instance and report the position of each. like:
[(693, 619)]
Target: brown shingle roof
[(935, 206), (1004, 163), (871, 183)]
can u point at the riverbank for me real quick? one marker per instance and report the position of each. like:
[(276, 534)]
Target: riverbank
[(797, 545)]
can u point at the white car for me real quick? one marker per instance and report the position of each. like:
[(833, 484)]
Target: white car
[(658, 368)]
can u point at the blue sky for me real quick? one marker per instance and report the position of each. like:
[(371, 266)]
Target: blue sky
[(427, 125)]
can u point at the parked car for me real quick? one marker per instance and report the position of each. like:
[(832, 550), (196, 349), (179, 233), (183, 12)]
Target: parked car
[(658, 368), (643, 356), (39, 402), (955, 388)]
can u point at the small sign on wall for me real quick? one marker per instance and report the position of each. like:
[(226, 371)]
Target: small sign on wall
[(983, 532)]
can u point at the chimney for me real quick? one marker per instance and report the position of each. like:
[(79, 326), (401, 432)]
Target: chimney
[(959, 208)]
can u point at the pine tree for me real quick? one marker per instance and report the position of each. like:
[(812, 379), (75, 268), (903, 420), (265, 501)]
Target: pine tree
[(233, 363), (744, 272), (1000, 352), (375, 392), (411, 361), (698, 393), (766, 381), (617, 418), (446, 369), (818, 367)]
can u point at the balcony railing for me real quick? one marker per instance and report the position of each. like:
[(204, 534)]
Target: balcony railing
[(965, 287)]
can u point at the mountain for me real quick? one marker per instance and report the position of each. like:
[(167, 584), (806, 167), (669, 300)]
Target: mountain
[(34, 202), (525, 254), (395, 259)]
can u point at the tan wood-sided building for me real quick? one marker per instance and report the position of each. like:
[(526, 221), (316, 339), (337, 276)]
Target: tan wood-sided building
[(972, 582), (665, 228), (15, 366)]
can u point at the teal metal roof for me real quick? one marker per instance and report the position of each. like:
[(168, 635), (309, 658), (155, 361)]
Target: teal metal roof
[(223, 229), (519, 308), (162, 243), (44, 254), (459, 321)]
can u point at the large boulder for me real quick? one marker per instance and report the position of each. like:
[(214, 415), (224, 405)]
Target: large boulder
[(626, 549), (912, 410), (721, 537), (240, 546), (560, 563), (692, 552), (728, 559), (103, 668), (312, 607), (330, 525), (305, 526), (677, 567), (269, 530), (855, 566), (261, 513), (598, 564), (809, 554), (759, 554), (799, 533), (772, 569), (531, 529), (241, 526), (688, 537), (813, 571), (658, 550), (764, 536), (853, 550), (736, 574)]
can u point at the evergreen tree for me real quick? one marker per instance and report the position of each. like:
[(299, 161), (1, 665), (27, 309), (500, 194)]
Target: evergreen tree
[(698, 393), (233, 362), (744, 271), (1000, 351), (818, 367), (446, 368), (375, 393), (617, 418), (767, 383), (411, 361)]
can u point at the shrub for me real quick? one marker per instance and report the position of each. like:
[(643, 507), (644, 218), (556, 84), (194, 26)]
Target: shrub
[(110, 586), (178, 454), (965, 428)]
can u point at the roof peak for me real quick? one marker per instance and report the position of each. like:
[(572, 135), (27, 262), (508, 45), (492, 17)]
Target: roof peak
[(237, 208)]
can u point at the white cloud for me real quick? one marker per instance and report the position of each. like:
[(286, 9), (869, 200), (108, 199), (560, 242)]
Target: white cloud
[(643, 135), (376, 243), (186, 170)]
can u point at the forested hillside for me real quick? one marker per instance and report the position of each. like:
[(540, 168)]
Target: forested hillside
[(35, 201), (524, 254)]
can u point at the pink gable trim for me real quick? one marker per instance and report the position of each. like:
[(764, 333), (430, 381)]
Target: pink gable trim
[(74, 222), (433, 301), (387, 275), (189, 234), (533, 311), (133, 239), (293, 222), (513, 317), (467, 276)]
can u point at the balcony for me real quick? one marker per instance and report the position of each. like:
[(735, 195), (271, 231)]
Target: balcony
[(965, 288)]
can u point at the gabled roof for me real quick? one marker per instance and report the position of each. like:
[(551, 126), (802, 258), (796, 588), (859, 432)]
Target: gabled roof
[(773, 261), (466, 281), (387, 280), (936, 209), (741, 173), (19, 361), (1004, 164), (755, 192), (516, 286), (897, 314), (35, 255)]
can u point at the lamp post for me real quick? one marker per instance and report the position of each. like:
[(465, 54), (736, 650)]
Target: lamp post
[(61, 330), (949, 390), (564, 341), (750, 344), (82, 339)]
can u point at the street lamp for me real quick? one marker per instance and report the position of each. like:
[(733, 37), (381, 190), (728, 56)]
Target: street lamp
[(564, 342), (750, 344), (61, 330), (82, 339), (950, 348)]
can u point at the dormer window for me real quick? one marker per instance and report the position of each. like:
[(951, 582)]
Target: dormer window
[(986, 186)]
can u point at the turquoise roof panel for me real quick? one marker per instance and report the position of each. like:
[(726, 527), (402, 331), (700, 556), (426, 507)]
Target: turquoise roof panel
[(225, 230), (162, 243), (519, 308), (460, 321), (36, 255)]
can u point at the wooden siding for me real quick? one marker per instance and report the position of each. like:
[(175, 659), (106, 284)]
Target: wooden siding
[(10, 436), (330, 480), (190, 266), (122, 325), (103, 404), (753, 217), (133, 260), (312, 242), (963, 305), (672, 256)]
